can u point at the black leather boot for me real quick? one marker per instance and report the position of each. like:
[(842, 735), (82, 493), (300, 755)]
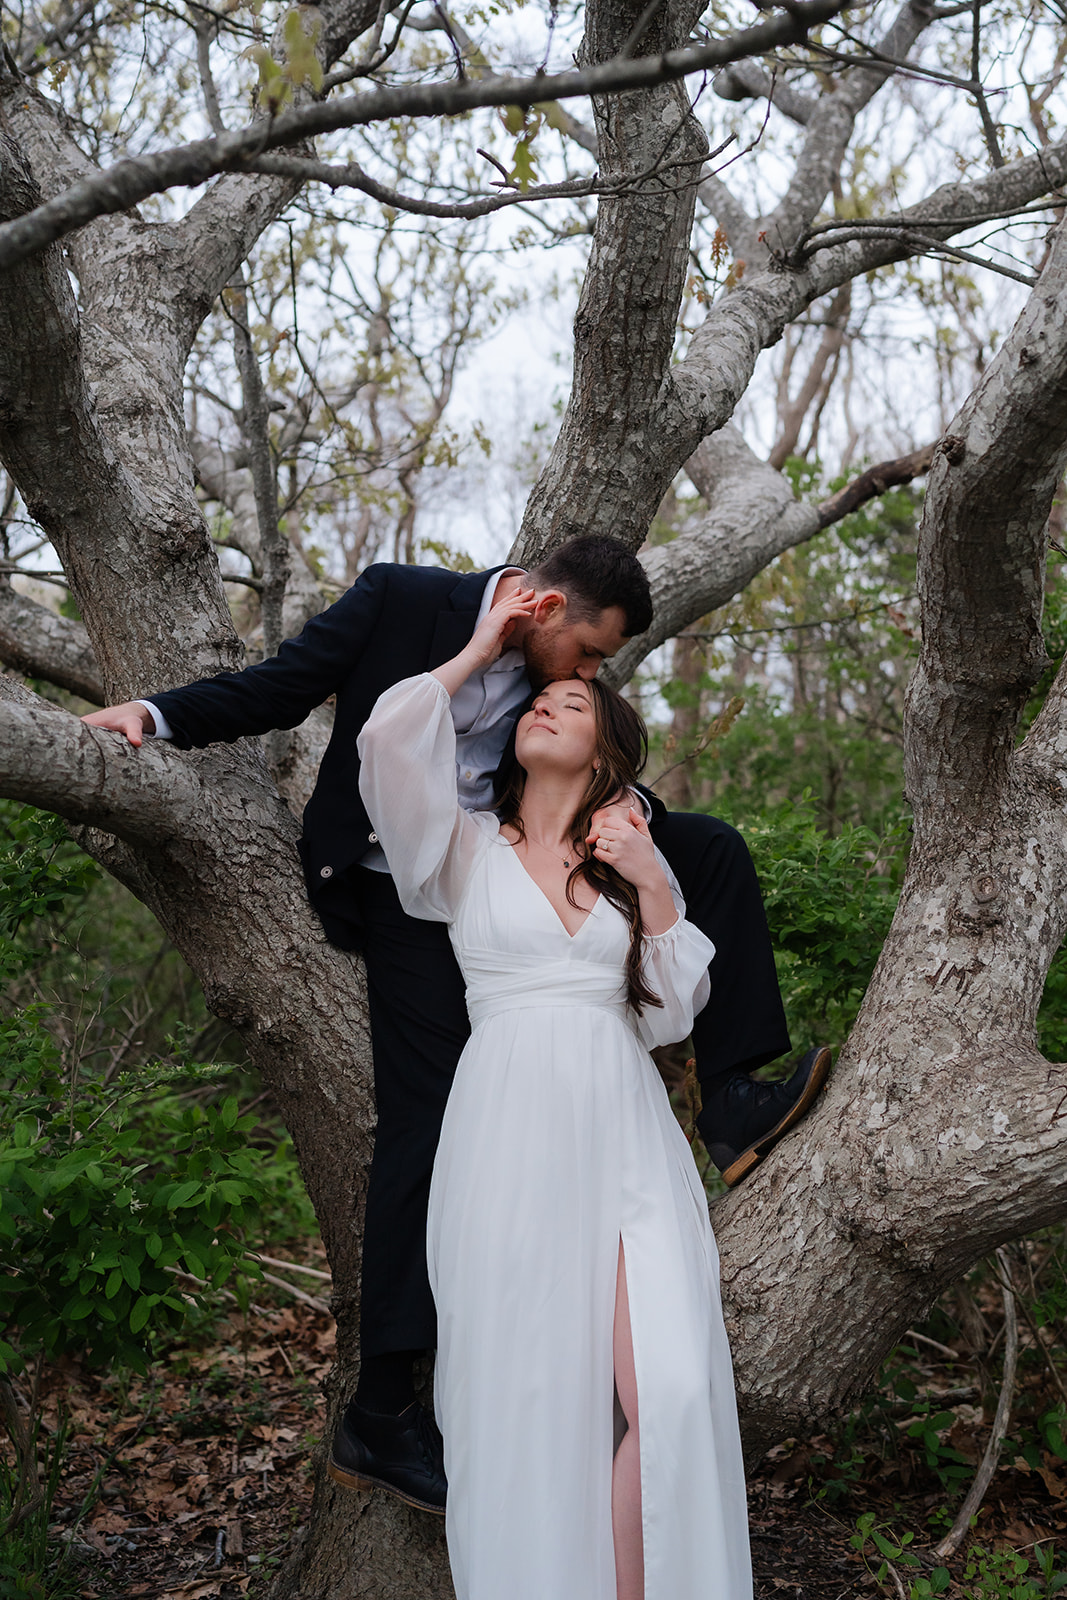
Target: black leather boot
[(403, 1455), (742, 1119)]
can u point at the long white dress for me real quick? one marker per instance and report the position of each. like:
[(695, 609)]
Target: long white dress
[(558, 1141)]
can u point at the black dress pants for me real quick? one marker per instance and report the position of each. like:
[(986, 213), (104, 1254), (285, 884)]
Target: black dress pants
[(419, 1025)]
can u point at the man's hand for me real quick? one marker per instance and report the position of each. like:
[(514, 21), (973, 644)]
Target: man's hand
[(131, 719)]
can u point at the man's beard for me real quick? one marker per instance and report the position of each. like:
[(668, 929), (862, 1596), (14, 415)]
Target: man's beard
[(540, 665)]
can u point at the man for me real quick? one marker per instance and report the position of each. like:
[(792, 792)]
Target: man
[(591, 595)]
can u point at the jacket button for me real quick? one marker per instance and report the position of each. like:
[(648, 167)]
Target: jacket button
[(372, 838), (326, 872)]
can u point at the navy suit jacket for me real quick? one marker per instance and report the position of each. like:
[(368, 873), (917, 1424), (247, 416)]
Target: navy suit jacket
[(395, 622)]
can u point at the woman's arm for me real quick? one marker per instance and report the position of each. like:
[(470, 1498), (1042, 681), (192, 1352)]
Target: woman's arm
[(488, 641)]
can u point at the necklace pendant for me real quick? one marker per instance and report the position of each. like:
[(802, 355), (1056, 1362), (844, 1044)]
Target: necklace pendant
[(566, 863)]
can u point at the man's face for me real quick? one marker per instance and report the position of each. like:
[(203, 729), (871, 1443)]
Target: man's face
[(557, 649)]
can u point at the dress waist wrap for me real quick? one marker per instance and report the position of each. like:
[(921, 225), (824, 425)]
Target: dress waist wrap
[(498, 983)]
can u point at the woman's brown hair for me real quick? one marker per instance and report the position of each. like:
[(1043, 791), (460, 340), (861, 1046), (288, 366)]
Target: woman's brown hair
[(621, 751)]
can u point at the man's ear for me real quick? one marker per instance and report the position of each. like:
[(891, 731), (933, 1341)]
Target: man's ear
[(551, 606)]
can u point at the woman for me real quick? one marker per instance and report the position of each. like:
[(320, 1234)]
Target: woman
[(570, 1253)]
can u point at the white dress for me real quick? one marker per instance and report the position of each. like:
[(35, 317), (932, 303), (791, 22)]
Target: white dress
[(558, 1140)]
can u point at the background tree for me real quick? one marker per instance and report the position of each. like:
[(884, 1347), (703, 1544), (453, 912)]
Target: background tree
[(911, 1168)]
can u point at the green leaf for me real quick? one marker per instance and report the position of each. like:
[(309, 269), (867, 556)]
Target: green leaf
[(141, 1312)]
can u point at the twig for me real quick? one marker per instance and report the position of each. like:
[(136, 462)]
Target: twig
[(956, 1534), (1057, 1380), (895, 1575), (225, 1294), (989, 128), (943, 1349), (291, 1266), (297, 1294)]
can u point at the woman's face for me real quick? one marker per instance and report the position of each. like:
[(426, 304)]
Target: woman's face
[(558, 733)]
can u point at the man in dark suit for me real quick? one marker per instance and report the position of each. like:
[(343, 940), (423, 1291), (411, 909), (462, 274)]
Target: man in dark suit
[(397, 621)]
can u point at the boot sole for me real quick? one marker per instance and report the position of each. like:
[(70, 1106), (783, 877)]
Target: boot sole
[(356, 1480), (743, 1165)]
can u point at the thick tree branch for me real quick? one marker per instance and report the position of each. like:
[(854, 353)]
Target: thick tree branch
[(129, 182), (48, 758), (39, 643), (752, 517), (981, 560), (829, 130)]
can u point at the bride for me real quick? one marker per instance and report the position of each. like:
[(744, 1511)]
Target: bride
[(570, 1253)]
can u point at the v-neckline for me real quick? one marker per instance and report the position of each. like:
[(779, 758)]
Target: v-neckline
[(533, 881)]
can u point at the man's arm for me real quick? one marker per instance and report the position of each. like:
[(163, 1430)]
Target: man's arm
[(278, 693)]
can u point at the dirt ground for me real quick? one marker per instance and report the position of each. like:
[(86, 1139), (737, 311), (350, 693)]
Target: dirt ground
[(207, 1475)]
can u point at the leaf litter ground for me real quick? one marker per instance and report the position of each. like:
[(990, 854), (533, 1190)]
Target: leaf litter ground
[(210, 1462)]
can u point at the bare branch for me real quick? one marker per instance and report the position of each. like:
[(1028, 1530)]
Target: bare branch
[(129, 182), (752, 517), (255, 425), (38, 643), (874, 482), (989, 128), (748, 80), (913, 242)]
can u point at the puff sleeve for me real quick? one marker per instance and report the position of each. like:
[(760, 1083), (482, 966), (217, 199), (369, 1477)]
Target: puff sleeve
[(407, 750)]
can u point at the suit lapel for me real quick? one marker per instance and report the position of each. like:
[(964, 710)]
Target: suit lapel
[(455, 625)]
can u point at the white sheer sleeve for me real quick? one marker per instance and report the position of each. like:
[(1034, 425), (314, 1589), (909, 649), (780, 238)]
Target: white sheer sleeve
[(407, 751), (675, 966)]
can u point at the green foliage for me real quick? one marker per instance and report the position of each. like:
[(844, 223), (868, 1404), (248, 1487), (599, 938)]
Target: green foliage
[(100, 1212), (987, 1575), (829, 903), (107, 1190)]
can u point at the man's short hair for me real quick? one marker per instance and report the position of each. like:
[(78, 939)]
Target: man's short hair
[(596, 572)]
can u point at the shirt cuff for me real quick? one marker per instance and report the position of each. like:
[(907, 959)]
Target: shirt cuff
[(639, 803), (162, 729)]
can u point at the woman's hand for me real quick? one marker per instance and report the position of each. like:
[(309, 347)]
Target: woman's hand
[(489, 640), (622, 841)]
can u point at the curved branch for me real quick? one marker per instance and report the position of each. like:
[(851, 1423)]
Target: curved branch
[(49, 758), (753, 518), (129, 182), (981, 560), (41, 644)]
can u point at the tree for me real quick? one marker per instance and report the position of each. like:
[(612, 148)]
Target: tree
[(921, 1158)]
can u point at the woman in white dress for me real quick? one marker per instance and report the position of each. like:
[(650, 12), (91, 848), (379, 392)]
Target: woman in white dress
[(570, 1253)]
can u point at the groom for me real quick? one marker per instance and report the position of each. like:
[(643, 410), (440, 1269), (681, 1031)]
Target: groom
[(591, 595)]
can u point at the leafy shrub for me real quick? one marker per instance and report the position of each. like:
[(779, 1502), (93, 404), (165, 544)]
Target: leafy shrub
[(98, 1209), (829, 903)]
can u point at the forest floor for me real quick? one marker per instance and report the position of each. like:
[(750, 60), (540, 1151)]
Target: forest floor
[(208, 1467)]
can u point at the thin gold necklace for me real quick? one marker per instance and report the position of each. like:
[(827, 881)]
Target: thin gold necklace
[(528, 840)]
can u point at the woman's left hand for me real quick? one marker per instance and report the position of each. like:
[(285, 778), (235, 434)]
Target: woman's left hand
[(622, 841)]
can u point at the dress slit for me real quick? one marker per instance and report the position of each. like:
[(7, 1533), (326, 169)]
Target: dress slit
[(629, 1367)]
